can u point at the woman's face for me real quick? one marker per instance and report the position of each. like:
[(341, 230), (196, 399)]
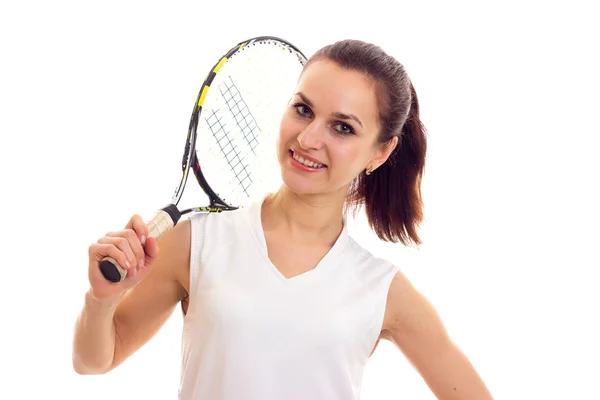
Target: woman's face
[(328, 133)]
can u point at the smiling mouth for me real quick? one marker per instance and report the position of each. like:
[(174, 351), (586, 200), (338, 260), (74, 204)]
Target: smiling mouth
[(310, 163)]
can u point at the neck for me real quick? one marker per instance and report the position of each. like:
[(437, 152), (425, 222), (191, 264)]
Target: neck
[(314, 216)]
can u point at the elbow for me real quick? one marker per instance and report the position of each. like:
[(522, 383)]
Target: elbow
[(82, 368)]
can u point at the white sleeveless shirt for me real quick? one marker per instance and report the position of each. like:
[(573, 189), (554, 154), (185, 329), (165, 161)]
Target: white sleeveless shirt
[(252, 334)]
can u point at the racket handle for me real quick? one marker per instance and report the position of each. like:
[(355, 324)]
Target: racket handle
[(164, 219)]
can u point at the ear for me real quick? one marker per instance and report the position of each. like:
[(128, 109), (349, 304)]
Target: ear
[(382, 154)]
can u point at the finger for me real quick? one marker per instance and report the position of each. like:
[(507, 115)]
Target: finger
[(134, 243), (99, 251), (140, 227), (123, 245)]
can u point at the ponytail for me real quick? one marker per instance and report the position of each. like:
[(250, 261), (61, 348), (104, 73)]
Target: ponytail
[(392, 193)]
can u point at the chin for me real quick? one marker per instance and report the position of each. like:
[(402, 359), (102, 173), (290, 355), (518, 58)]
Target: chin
[(299, 184)]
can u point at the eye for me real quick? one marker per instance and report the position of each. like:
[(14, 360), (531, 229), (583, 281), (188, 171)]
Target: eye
[(302, 110), (344, 128)]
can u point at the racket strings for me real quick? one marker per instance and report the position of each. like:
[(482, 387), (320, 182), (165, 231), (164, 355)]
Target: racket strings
[(241, 113), (229, 150), (240, 121)]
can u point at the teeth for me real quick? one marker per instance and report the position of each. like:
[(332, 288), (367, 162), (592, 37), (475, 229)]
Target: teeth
[(308, 163)]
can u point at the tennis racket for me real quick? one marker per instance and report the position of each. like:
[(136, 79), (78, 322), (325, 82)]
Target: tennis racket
[(230, 144)]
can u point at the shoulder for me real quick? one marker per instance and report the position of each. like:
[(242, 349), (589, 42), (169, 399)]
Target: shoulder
[(190, 239), (209, 227), (212, 233), (401, 295), (220, 219), (399, 289), (409, 315), (174, 249), (404, 304), (367, 265)]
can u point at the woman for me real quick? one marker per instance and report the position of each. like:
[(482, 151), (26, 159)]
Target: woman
[(278, 301)]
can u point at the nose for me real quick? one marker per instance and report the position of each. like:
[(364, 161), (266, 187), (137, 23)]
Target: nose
[(312, 137)]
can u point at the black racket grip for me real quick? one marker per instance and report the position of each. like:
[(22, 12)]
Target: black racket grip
[(164, 219)]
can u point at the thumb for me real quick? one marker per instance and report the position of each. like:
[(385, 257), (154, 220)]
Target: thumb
[(151, 250)]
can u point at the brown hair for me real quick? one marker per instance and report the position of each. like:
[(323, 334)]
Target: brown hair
[(392, 193)]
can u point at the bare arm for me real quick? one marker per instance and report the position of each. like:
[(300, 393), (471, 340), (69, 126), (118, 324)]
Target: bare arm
[(414, 326), (94, 341), (113, 325)]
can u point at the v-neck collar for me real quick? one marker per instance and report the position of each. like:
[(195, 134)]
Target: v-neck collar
[(254, 220)]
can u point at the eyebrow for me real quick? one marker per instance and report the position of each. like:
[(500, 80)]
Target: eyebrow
[(335, 114)]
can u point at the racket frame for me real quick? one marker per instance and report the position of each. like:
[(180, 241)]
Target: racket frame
[(167, 217)]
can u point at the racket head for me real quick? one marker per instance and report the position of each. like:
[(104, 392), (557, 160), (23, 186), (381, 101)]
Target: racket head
[(231, 144)]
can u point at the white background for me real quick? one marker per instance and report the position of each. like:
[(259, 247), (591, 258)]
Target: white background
[(95, 99)]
